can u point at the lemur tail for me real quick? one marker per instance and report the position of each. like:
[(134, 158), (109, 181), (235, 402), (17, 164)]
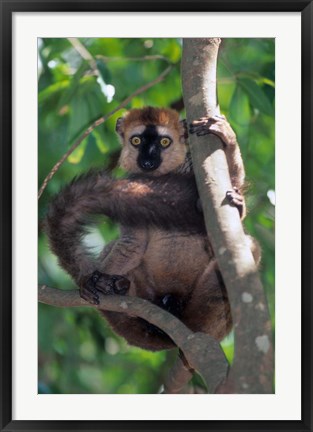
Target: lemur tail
[(166, 202)]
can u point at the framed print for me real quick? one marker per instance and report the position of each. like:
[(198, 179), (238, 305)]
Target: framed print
[(110, 109)]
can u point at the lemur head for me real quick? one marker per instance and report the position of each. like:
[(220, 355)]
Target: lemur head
[(153, 139)]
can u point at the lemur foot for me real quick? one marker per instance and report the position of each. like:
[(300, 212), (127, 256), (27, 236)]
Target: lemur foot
[(217, 125), (103, 283), (172, 304), (235, 198)]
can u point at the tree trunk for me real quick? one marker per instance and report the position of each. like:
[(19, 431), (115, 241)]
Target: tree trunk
[(252, 370)]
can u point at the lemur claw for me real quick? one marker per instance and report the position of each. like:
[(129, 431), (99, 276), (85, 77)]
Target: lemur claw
[(120, 285), (103, 283), (88, 291), (110, 284), (235, 199), (217, 125)]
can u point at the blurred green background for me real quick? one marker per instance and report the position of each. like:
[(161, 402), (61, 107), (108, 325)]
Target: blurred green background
[(81, 80)]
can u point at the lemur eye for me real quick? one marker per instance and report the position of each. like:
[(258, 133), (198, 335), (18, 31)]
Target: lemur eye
[(135, 140), (165, 142)]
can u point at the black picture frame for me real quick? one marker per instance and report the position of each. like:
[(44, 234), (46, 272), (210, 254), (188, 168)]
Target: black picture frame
[(8, 7)]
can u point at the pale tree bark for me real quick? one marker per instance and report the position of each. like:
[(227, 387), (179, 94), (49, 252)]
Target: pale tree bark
[(252, 369), (178, 378), (201, 351)]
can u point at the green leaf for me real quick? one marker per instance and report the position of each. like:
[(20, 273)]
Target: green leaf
[(102, 146), (239, 109), (74, 85), (78, 153), (225, 94), (267, 81), (79, 117), (257, 96), (52, 90), (104, 71)]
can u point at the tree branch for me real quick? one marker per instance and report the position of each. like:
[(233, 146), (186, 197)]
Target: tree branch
[(84, 53), (201, 351), (178, 377), (252, 370)]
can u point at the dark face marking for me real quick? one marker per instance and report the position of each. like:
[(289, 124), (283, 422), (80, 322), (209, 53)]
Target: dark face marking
[(149, 150)]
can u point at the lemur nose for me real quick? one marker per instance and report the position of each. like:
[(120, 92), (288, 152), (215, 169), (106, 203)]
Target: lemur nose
[(148, 164)]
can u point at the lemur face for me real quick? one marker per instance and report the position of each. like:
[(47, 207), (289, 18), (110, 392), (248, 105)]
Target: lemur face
[(152, 143)]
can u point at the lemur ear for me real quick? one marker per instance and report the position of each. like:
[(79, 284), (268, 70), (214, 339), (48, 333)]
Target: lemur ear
[(119, 126), (184, 129)]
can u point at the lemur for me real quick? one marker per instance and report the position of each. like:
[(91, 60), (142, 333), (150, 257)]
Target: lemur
[(163, 253)]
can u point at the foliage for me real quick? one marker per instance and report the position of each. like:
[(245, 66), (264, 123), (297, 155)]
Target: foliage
[(78, 353)]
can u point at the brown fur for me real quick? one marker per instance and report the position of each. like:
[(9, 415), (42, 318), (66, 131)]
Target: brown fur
[(152, 116), (163, 250)]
